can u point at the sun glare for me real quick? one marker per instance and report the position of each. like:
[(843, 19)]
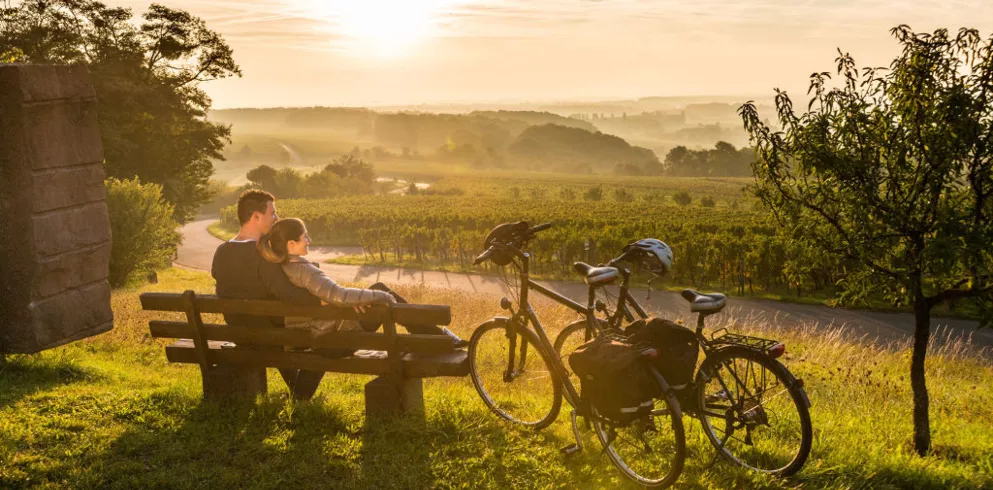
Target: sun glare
[(379, 27)]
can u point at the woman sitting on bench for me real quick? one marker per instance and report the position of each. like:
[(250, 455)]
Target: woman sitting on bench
[(287, 243)]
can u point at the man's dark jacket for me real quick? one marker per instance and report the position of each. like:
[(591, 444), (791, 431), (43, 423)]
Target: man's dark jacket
[(241, 273)]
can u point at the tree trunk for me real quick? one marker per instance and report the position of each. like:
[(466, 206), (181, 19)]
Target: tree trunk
[(922, 333)]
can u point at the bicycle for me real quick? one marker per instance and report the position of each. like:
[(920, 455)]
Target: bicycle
[(525, 388), (720, 395)]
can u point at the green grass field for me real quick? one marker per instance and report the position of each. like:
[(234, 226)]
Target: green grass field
[(110, 412)]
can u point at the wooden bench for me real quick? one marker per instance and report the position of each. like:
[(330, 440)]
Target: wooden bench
[(233, 358)]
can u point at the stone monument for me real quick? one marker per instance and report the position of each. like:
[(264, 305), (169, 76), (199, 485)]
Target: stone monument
[(54, 226)]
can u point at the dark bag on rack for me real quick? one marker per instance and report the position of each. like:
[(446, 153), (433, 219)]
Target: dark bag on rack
[(677, 346), (614, 379)]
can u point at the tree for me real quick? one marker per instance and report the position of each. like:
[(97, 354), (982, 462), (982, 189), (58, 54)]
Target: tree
[(146, 75), (893, 171)]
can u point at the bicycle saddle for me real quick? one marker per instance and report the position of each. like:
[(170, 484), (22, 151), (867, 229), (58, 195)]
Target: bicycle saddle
[(596, 276), (705, 303)]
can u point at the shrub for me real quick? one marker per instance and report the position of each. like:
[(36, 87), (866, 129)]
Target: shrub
[(623, 195), (682, 198), (594, 194), (144, 235), (707, 202)]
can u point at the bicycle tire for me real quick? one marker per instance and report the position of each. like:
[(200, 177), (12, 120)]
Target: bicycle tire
[(539, 395), (761, 410), (669, 407)]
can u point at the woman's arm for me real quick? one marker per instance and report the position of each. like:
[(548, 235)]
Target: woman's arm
[(313, 279)]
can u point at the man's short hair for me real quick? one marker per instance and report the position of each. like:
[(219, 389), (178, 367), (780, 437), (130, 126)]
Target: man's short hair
[(251, 201)]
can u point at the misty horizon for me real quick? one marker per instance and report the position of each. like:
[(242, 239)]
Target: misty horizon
[(388, 53)]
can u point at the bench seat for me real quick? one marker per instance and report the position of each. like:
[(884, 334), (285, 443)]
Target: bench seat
[(374, 362)]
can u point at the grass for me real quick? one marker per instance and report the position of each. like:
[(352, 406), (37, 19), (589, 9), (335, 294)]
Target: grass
[(110, 412)]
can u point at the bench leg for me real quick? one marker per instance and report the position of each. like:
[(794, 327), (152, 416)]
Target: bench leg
[(385, 396), (229, 381)]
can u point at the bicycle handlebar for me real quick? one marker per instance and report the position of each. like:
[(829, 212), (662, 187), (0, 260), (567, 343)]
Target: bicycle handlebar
[(483, 256), (541, 227)]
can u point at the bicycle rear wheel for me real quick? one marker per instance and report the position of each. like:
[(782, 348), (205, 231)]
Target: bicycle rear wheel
[(650, 450), (754, 412), (513, 375)]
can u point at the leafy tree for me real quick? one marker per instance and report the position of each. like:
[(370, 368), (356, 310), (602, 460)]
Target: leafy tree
[(893, 170), (723, 160), (146, 75), (351, 166)]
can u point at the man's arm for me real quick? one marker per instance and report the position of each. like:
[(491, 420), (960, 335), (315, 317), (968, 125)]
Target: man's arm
[(275, 281)]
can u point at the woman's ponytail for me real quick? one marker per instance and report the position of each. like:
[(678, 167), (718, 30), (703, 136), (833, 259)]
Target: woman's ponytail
[(266, 251), (272, 246)]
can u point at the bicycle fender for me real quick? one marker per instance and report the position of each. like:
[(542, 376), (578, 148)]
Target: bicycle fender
[(709, 363)]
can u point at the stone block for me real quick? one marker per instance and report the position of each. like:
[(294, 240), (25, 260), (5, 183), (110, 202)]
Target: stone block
[(62, 134), (65, 187), (55, 231), (39, 83), (70, 229), (71, 270), (58, 317)]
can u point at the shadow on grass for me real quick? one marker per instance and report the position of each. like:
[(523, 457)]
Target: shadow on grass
[(268, 442), (23, 375)]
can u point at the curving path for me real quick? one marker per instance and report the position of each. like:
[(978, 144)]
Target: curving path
[(198, 246)]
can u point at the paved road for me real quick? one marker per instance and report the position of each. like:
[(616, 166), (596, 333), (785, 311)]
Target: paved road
[(198, 246)]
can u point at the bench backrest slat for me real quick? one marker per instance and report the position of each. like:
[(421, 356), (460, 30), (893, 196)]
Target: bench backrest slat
[(298, 337), (405, 314)]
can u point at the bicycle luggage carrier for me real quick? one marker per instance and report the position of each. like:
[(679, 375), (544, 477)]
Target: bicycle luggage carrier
[(733, 339)]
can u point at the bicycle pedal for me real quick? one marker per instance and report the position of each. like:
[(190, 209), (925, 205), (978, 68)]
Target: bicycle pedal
[(571, 450)]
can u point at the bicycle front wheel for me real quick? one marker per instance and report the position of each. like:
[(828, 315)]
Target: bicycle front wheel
[(754, 412), (650, 450), (513, 375)]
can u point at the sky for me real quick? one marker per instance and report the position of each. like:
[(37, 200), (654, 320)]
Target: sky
[(407, 52)]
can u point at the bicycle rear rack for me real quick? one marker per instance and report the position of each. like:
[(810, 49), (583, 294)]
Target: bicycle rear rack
[(733, 339)]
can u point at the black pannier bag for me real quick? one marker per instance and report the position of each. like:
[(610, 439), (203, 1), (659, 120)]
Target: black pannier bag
[(614, 379), (677, 346)]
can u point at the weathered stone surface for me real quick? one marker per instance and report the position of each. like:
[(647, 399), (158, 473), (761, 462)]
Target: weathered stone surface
[(69, 229), (71, 270), (55, 231), (59, 317), (65, 187), (62, 134), (39, 83)]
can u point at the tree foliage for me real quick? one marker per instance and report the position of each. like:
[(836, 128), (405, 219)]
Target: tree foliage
[(344, 176), (724, 160), (146, 75), (892, 170), (144, 232)]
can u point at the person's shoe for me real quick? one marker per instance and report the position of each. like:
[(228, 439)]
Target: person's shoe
[(456, 340)]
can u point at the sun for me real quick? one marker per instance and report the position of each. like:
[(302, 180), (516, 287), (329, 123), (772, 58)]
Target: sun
[(379, 27)]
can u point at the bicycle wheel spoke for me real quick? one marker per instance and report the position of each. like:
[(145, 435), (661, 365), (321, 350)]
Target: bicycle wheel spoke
[(762, 426), (530, 395)]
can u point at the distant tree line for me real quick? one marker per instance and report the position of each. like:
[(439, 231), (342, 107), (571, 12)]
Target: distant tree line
[(724, 160), (344, 176)]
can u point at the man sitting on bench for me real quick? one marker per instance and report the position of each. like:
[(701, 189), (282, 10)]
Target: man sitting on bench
[(241, 273)]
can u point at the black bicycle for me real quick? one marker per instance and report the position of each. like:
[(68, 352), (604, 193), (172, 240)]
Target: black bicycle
[(753, 409), (516, 372)]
